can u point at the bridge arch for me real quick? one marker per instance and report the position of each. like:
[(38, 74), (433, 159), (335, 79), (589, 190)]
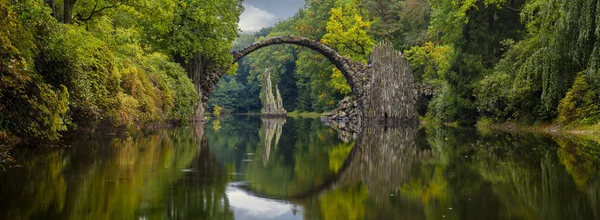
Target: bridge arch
[(384, 90), (340, 62), (345, 65)]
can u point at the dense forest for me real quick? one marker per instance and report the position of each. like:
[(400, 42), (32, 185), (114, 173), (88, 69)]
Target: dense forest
[(69, 64), (532, 61)]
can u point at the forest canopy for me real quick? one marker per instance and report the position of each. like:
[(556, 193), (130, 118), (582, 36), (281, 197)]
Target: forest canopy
[(82, 63)]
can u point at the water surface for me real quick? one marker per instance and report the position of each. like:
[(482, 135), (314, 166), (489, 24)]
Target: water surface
[(251, 168)]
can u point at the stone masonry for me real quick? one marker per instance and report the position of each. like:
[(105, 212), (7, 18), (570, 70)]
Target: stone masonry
[(384, 90)]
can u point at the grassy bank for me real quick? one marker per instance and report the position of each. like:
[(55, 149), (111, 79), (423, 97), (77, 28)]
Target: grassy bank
[(546, 128), (296, 114), (518, 126)]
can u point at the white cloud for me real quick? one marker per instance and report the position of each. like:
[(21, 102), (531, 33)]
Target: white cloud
[(253, 19), (247, 206)]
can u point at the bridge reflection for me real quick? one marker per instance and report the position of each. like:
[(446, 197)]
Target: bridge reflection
[(380, 158)]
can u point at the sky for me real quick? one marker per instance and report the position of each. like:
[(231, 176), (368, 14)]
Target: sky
[(264, 13)]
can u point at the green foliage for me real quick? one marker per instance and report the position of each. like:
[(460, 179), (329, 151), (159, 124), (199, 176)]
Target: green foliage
[(239, 92), (561, 42), (188, 28), (30, 107), (404, 23), (84, 64), (306, 79), (347, 33), (449, 106), (114, 65), (581, 103), (430, 62), (468, 40)]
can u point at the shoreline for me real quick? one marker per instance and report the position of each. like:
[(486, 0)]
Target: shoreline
[(550, 129), (553, 129), (288, 114)]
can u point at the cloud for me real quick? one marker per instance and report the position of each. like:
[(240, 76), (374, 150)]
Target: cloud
[(253, 19), (247, 206)]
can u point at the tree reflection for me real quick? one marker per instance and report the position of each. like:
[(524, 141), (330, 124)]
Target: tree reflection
[(295, 164), (271, 132), (385, 173), (164, 174), (462, 174)]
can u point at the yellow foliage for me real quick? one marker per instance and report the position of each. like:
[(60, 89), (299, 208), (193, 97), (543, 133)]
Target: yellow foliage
[(434, 60), (217, 111), (216, 125), (579, 103), (345, 203), (347, 32)]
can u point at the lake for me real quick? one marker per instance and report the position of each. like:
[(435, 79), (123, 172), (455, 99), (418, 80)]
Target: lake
[(245, 167)]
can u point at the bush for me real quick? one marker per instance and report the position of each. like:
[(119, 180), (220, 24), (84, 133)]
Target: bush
[(30, 107), (54, 77), (580, 104), (85, 65), (449, 106)]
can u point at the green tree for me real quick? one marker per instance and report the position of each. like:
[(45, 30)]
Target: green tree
[(473, 32), (544, 65)]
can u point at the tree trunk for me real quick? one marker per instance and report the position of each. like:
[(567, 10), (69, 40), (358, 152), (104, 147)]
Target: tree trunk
[(50, 3), (68, 11)]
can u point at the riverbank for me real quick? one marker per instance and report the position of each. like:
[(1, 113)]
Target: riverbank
[(296, 114), (545, 128), (289, 114), (518, 127), (551, 129)]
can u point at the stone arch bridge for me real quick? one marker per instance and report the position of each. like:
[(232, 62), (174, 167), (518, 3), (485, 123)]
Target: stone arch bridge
[(384, 89)]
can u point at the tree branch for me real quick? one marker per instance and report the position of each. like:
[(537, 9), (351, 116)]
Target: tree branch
[(94, 11)]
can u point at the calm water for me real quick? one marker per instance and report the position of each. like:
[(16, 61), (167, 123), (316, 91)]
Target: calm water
[(253, 168)]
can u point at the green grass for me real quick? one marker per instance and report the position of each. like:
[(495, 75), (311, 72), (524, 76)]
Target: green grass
[(297, 114), (484, 124)]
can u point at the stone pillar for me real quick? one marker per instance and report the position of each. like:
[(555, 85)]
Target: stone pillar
[(272, 106)]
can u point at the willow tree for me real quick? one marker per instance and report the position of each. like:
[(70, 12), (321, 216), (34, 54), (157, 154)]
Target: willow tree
[(562, 42)]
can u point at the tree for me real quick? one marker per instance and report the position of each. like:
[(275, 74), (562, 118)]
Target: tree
[(561, 41), (474, 30), (387, 19), (347, 33), (190, 29)]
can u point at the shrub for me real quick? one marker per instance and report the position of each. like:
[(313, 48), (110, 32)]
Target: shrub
[(580, 104), (30, 107)]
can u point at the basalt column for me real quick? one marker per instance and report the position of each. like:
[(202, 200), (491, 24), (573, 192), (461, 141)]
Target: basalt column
[(272, 106)]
